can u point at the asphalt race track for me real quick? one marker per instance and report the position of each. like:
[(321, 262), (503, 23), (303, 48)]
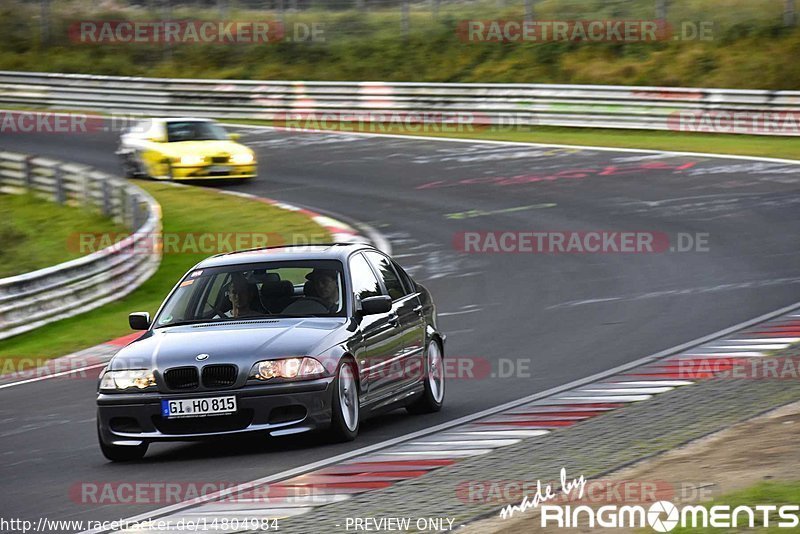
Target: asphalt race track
[(564, 316)]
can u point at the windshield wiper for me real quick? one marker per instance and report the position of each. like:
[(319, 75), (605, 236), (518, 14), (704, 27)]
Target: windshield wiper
[(188, 321)]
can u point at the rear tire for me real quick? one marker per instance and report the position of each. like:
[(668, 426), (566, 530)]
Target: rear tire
[(345, 409), (432, 398), (120, 453)]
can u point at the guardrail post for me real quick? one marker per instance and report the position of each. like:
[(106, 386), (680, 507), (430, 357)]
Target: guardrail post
[(44, 22), (137, 213), (661, 9), (528, 10), (123, 199), (789, 17), (29, 173), (86, 192), (133, 203), (106, 205), (59, 191), (404, 18)]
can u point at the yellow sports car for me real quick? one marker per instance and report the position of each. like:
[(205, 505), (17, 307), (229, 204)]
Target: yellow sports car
[(184, 149)]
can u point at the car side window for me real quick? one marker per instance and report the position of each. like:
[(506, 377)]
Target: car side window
[(365, 284), (383, 266), (409, 284)]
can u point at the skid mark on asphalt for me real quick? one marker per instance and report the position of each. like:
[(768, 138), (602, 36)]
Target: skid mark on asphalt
[(433, 261), (488, 153), (751, 284), (707, 207)]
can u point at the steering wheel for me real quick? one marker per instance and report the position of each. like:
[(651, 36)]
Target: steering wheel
[(214, 307)]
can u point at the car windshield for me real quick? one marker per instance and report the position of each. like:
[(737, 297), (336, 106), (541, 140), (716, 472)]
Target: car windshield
[(195, 131), (276, 289)]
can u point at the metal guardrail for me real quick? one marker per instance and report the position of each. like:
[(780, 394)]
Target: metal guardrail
[(652, 108), (30, 300)]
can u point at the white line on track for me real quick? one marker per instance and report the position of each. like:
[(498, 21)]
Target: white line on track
[(54, 375), (429, 139)]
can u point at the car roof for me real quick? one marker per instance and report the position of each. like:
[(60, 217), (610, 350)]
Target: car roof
[(324, 251)]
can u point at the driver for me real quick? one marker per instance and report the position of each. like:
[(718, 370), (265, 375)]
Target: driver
[(240, 294), (326, 287)]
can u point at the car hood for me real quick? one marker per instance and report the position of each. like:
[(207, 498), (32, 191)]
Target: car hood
[(241, 343), (207, 148)]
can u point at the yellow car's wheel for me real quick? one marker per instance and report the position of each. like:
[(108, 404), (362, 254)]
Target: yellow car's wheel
[(132, 166)]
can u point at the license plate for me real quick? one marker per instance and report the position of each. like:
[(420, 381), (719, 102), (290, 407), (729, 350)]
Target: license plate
[(219, 169), (198, 407)]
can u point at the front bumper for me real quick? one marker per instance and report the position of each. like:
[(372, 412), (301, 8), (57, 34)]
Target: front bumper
[(213, 172), (275, 409)]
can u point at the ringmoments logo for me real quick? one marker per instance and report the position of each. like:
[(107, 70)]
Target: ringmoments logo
[(660, 516)]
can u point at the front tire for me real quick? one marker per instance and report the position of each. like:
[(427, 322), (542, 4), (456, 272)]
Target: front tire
[(345, 416), (120, 453), (432, 398), (129, 166)]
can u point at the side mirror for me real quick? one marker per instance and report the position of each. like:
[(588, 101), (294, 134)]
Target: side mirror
[(157, 139), (234, 136), (376, 305), (139, 320)]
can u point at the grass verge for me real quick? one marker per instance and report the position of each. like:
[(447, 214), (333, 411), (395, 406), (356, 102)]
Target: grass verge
[(201, 211), (36, 234)]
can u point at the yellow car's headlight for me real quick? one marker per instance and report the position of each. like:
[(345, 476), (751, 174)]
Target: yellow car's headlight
[(192, 159), (242, 159)]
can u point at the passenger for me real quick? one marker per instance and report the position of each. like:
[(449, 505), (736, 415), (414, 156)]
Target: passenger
[(325, 283)]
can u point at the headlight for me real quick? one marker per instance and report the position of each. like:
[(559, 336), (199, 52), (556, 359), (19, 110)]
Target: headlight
[(242, 159), (121, 380), (192, 159), (287, 368)]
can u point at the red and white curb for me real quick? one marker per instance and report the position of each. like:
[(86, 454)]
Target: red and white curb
[(341, 232), (85, 363), (377, 467)]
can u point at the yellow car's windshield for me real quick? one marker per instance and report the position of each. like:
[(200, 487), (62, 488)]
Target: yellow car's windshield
[(195, 131)]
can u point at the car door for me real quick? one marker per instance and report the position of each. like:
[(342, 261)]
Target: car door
[(382, 342), (408, 310)]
